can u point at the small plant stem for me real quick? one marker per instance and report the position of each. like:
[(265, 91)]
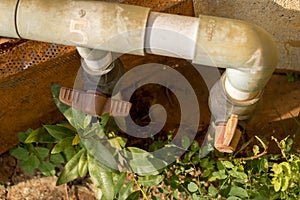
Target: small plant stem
[(138, 185), (252, 157)]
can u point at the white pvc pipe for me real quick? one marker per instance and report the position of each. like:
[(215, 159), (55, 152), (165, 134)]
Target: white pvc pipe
[(7, 18), (171, 35), (97, 61), (248, 52)]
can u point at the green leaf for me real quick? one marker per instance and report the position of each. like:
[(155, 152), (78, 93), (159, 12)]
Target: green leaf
[(76, 140), (120, 178), (151, 180), (20, 153), (70, 171), (218, 175), (212, 191), (233, 198), (174, 181), (57, 159), (125, 191), (101, 178), (40, 135), (143, 162), (69, 153), (62, 145), (47, 169), (192, 187), (285, 183), (147, 166), (156, 198), (276, 182), (87, 121), (286, 168), (238, 192), (64, 109), (83, 165), (104, 119), (185, 142), (59, 132), (30, 164), (238, 175), (33, 161), (23, 135), (195, 146), (42, 152), (227, 164), (276, 168), (134, 196), (163, 191), (101, 153), (79, 118), (118, 142), (255, 150)]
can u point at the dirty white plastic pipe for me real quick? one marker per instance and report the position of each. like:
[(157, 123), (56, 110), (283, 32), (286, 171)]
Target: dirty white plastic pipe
[(97, 62), (247, 51)]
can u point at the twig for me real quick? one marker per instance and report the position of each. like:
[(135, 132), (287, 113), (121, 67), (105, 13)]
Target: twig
[(66, 192), (252, 157)]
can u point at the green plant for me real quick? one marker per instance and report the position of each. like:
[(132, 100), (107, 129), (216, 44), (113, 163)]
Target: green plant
[(84, 145), (291, 77)]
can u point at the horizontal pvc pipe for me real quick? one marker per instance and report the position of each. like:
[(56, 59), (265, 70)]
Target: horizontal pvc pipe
[(7, 18), (171, 35), (247, 51), (92, 24)]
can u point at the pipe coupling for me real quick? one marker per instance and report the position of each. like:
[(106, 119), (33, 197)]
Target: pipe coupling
[(222, 106)]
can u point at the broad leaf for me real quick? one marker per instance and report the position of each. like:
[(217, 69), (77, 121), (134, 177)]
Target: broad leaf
[(227, 164), (185, 142), (238, 192), (119, 181), (64, 109), (40, 135), (57, 159), (23, 135), (69, 153), (76, 140), (101, 178), (47, 169), (134, 196), (147, 166), (192, 187), (33, 161), (59, 132), (19, 153), (70, 171), (125, 191), (212, 191), (83, 165), (62, 145), (100, 152), (152, 180), (42, 152)]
